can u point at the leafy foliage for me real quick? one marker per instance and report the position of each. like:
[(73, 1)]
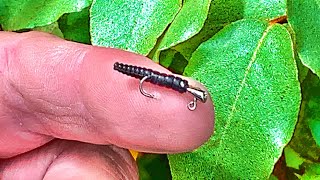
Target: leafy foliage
[(153, 167), (51, 28), (256, 103), (304, 19), (252, 62), (131, 25), (188, 23), (26, 14), (75, 26)]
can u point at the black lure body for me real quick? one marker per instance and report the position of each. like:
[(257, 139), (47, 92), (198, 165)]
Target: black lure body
[(155, 77)]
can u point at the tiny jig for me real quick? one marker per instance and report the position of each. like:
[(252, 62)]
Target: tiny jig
[(161, 79)]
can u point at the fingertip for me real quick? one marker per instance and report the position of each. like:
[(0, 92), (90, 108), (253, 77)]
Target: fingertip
[(133, 121)]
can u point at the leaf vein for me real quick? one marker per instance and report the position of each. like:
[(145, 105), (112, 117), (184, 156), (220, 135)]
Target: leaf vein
[(233, 108)]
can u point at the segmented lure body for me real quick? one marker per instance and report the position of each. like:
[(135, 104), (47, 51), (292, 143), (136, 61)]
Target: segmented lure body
[(155, 77), (166, 80)]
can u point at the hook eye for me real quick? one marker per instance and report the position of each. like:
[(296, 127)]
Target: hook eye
[(192, 105), (143, 92)]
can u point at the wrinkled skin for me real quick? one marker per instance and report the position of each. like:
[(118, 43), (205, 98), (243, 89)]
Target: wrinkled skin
[(66, 114)]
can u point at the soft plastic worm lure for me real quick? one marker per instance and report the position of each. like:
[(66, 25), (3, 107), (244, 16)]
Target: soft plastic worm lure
[(161, 79)]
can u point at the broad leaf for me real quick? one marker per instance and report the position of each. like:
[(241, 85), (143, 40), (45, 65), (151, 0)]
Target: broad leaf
[(75, 26), (187, 23), (304, 17), (250, 71), (26, 14), (131, 25), (223, 12)]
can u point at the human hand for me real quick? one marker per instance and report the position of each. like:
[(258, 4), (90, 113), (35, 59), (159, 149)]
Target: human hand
[(66, 114)]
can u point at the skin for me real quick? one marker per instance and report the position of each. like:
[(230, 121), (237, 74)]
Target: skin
[(66, 114)]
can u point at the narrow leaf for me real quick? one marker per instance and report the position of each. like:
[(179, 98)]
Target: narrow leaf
[(250, 71), (304, 17), (131, 25), (26, 14)]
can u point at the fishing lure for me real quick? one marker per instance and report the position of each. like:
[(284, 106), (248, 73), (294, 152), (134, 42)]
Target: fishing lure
[(162, 79)]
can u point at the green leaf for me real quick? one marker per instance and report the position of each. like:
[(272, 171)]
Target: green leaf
[(223, 12), (250, 71), (312, 172), (167, 57), (187, 23), (303, 141), (75, 26), (131, 25), (153, 167), (173, 61), (311, 89), (51, 28), (303, 70), (26, 14), (293, 159), (179, 64), (314, 124), (272, 177), (304, 17)]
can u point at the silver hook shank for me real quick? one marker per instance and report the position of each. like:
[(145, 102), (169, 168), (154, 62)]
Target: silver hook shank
[(143, 92)]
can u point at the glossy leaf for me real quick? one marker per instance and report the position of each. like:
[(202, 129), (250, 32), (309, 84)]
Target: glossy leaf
[(304, 17), (187, 23), (75, 26), (223, 12), (250, 71), (131, 25), (26, 14)]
